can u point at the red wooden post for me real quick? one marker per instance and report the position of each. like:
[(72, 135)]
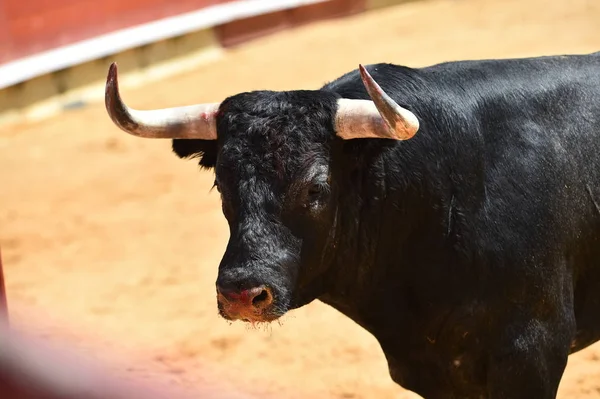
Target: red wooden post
[(3, 302)]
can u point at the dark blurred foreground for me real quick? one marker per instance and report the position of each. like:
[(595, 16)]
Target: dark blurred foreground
[(32, 369)]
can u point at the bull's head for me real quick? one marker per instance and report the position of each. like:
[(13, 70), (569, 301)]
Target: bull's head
[(272, 155)]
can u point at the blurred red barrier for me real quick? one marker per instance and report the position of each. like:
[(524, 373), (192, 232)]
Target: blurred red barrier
[(31, 26), (239, 31), (3, 301), (31, 369)]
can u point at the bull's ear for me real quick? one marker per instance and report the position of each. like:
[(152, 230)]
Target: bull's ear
[(204, 150)]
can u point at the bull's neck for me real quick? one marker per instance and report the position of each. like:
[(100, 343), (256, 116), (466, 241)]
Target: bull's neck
[(364, 209), (378, 220)]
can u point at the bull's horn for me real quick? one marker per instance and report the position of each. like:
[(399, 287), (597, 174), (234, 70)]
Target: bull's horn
[(191, 122), (380, 118)]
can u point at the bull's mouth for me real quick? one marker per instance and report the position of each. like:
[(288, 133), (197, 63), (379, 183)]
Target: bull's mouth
[(231, 314)]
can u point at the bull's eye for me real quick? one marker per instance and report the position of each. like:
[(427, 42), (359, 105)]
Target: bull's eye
[(316, 192)]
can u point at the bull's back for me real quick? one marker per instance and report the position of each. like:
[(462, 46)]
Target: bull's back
[(539, 134), (526, 134), (534, 125), (532, 130)]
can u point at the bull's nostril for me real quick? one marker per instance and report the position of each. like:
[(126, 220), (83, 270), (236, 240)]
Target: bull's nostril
[(263, 299), (257, 298)]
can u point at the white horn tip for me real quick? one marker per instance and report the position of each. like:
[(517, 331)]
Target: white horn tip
[(409, 125)]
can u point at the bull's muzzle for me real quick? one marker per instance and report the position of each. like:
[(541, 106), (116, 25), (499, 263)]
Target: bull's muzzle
[(252, 305)]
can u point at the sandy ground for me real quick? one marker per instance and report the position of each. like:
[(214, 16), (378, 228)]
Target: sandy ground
[(109, 238)]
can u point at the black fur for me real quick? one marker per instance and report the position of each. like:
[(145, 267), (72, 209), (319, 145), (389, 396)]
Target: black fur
[(471, 252), (205, 150)]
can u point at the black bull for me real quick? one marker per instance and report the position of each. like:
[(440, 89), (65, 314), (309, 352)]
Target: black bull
[(471, 251)]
